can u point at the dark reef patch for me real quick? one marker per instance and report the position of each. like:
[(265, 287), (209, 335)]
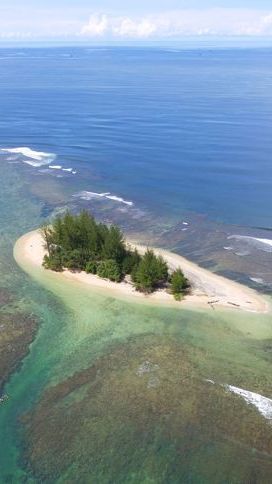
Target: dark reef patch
[(17, 331), (210, 244), (5, 296), (144, 412)]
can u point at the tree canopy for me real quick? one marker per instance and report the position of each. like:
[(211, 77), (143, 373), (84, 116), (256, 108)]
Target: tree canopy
[(79, 242), (150, 272), (179, 283)]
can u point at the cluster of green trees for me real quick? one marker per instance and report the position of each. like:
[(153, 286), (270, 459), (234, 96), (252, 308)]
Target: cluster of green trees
[(78, 242)]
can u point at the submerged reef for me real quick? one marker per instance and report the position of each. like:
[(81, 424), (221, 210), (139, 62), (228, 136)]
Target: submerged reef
[(143, 411), (17, 331)]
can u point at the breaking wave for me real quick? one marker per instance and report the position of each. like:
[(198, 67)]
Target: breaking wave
[(258, 243), (31, 157), (263, 404), (86, 195), (37, 159), (258, 280)]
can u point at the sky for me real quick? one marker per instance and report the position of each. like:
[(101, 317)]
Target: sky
[(133, 20)]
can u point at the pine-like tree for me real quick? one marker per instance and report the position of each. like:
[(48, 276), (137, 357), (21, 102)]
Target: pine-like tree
[(150, 272), (179, 283)]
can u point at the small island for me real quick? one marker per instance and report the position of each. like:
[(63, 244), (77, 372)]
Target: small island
[(77, 250), (80, 243)]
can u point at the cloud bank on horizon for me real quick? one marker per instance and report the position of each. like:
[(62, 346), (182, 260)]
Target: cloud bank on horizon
[(80, 24), (180, 23)]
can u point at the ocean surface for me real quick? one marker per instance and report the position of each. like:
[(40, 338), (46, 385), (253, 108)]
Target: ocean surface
[(168, 129), (175, 146)]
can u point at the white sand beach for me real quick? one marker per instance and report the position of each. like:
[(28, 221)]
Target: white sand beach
[(207, 289)]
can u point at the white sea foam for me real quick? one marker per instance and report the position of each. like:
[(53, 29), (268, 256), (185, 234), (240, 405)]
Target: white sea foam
[(35, 164), (228, 248), (119, 199), (85, 195), (59, 167), (242, 253), (258, 243), (263, 404), (31, 157), (12, 158), (258, 280), (28, 152), (265, 241)]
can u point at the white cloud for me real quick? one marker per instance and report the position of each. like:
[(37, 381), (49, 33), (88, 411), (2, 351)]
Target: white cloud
[(138, 29), (267, 22), (96, 27), (101, 24), (224, 21), (70, 23)]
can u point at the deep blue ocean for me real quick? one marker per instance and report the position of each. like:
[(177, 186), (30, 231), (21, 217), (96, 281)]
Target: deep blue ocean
[(169, 129)]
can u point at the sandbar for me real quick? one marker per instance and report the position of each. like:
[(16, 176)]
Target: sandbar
[(208, 290)]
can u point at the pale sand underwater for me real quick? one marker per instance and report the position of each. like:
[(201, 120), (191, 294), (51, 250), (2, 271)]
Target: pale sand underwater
[(207, 289)]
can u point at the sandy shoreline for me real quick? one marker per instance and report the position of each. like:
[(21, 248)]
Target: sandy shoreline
[(208, 289)]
